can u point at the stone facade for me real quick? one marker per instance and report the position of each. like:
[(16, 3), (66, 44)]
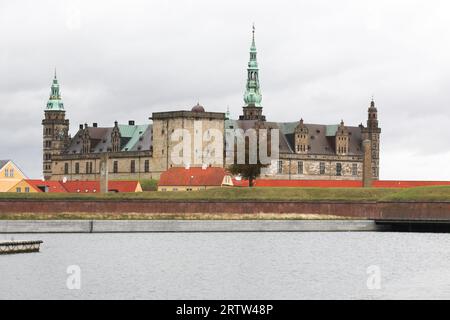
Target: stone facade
[(196, 125), (87, 166), (306, 151), (148, 163), (314, 168)]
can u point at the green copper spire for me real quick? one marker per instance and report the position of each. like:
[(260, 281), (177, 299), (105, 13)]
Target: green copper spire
[(252, 96), (54, 102)]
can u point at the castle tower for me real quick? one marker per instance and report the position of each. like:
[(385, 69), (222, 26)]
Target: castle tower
[(252, 96), (301, 138), (342, 139), (56, 129), (372, 133)]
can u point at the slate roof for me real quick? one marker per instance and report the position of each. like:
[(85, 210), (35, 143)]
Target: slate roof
[(321, 140), (3, 163), (133, 138), (139, 137)]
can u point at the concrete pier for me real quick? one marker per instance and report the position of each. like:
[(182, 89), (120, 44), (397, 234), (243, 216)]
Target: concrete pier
[(123, 226)]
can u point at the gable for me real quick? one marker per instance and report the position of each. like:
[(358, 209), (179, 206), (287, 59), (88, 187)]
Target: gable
[(10, 171)]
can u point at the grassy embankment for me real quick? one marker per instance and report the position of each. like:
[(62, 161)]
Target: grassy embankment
[(234, 194), (259, 194)]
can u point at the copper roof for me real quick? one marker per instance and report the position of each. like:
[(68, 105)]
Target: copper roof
[(321, 137)]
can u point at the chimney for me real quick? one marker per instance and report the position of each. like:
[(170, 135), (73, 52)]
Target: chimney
[(81, 127), (95, 125), (131, 122)]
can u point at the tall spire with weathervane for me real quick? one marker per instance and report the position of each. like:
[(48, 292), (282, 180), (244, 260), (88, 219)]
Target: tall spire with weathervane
[(252, 96)]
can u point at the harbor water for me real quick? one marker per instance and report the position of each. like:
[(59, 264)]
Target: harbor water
[(255, 265)]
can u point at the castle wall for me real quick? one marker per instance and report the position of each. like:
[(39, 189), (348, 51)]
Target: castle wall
[(351, 168)]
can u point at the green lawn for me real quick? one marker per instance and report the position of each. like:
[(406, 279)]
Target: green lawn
[(277, 194)]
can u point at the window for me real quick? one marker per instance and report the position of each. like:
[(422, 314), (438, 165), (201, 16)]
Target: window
[(133, 166), (280, 166), (322, 167), (147, 166), (11, 172), (66, 168), (27, 189), (116, 166), (18, 189), (355, 169), (300, 167), (339, 169), (6, 172), (89, 168), (77, 168)]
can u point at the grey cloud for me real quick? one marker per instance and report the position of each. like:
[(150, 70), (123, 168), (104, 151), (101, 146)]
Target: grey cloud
[(320, 60)]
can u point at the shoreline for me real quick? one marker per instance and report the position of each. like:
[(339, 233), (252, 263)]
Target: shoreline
[(170, 226)]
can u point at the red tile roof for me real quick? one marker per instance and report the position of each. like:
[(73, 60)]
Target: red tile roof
[(195, 176), (339, 183), (52, 186), (94, 186), (83, 186), (309, 183)]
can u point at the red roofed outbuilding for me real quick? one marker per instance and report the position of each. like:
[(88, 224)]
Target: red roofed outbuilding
[(94, 186), (196, 178)]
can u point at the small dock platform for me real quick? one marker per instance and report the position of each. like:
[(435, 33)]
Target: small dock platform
[(11, 247)]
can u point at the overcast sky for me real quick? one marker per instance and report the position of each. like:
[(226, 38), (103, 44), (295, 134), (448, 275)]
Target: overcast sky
[(319, 60)]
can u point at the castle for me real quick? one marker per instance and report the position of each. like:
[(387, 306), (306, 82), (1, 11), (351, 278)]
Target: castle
[(306, 151)]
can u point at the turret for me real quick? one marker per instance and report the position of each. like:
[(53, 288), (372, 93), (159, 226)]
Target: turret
[(372, 132), (55, 128), (372, 120)]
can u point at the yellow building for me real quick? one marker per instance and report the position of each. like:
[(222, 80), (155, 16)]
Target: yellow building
[(23, 186), (10, 175)]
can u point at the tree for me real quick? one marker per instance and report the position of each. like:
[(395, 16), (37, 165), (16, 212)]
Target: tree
[(247, 170)]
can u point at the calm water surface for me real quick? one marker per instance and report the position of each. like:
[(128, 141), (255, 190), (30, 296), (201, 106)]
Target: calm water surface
[(230, 266)]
